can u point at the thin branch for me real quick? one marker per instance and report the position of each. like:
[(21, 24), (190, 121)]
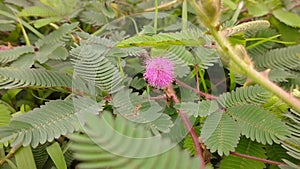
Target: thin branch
[(206, 95), (10, 154), (170, 93), (257, 159), (157, 98), (165, 5)]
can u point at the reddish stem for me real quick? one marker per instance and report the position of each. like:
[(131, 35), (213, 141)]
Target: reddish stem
[(257, 159), (206, 95), (170, 93)]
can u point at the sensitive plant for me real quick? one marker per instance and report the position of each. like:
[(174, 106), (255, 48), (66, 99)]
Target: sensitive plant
[(82, 85)]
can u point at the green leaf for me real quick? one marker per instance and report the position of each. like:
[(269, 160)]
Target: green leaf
[(104, 72), (126, 146), (287, 33), (57, 155), (141, 110), (220, 133), (250, 95), (281, 58), (201, 109), (50, 121), (257, 124), (24, 157), (5, 113), (184, 38), (15, 78), (37, 11), (57, 36), (276, 152), (247, 147), (43, 22), (7, 56), (107, 10), (292, 144), (286, 17), (205, 57), (258, 9)]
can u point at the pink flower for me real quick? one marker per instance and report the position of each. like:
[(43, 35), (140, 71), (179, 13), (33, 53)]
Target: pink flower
[(159, 72)]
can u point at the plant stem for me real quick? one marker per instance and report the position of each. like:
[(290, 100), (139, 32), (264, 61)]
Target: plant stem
[(156, 16), (206, 95), (252, 73), (10, 154), (184, 16), (227, 50), (170, 93), (257, 159), (165, 5)]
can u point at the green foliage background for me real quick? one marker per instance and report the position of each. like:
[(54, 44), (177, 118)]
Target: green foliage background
[(64, 59)]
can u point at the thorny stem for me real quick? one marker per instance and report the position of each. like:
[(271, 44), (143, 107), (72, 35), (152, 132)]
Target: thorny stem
[(172, 95), (227, 49), (257, 159)]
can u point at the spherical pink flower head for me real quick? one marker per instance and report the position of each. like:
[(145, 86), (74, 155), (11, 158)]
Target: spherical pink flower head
[(159, 72)]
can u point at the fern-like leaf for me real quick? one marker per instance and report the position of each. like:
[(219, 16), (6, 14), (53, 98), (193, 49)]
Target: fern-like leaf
[(16, 78), (55, 118), (220, 133), (249, 95), (125, 145), (59, 35), (185, 38), (276, 152), (91, 64), (7, 56), (179, 54), (201, 109), (92, 17), (282, 58), (257, 124), (140, 110), (205, 57), (292, 144), (248, 147)]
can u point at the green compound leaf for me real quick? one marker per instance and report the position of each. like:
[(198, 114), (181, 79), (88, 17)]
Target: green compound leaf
[(282, 58), (257, 124), (250, 95), (125, 146), (139, 109), (184, 38), (201, 109), (220, 133), (7, 56), (248, 147), (50, 121), (15, 78)]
